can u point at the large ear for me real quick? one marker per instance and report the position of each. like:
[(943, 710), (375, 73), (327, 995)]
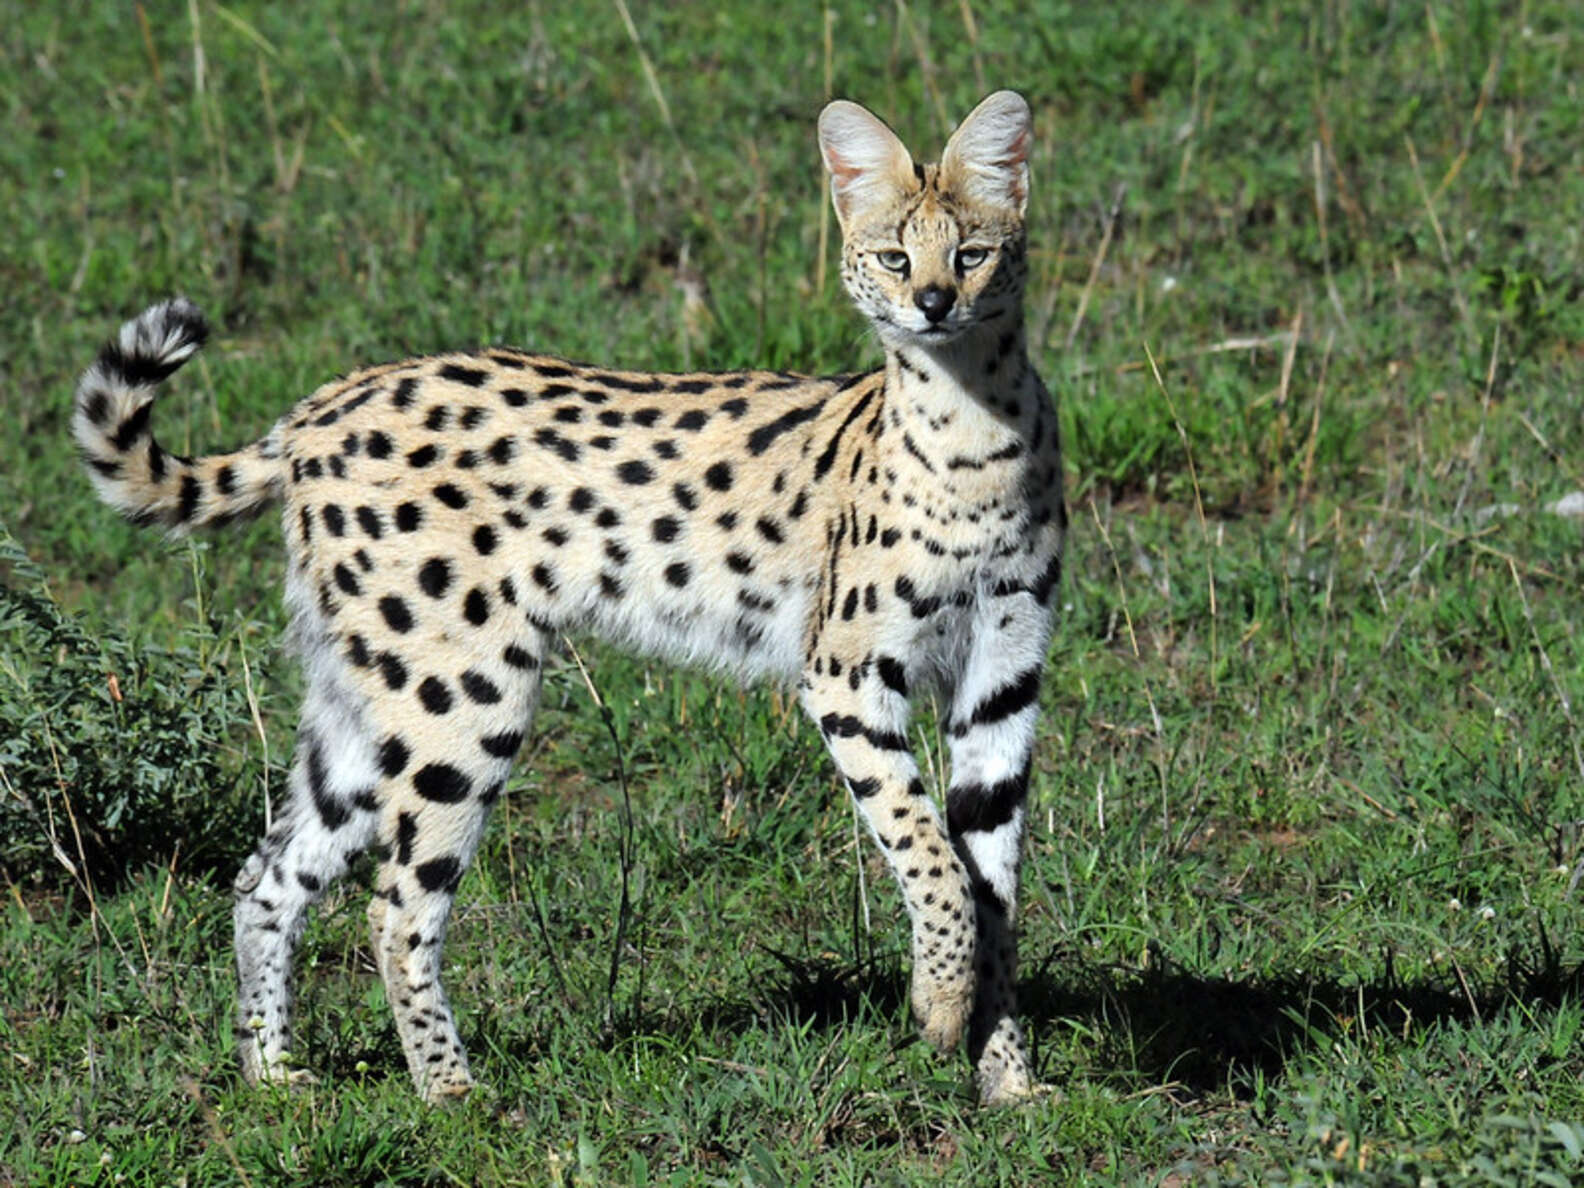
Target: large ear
[(865, 159), (986, 160)]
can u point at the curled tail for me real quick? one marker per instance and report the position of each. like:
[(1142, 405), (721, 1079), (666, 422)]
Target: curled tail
[(134, 473)]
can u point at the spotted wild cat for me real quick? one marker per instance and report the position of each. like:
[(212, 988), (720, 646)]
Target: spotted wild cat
[(864, 536)]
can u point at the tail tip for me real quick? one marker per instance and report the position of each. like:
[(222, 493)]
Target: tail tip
[(155, 343)]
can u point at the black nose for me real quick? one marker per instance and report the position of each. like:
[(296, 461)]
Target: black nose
[(935, 301)]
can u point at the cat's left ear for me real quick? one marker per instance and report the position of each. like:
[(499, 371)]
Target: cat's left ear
[(986, 160)]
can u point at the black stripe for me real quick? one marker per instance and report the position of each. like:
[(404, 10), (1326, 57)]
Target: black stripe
[(828, 455), (979, 808), (190, 491), (132, 428), (759, 440), (848, 726), (1003, 703)]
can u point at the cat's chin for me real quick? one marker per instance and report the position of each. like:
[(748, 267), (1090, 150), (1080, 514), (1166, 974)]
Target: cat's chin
[(928, 337)]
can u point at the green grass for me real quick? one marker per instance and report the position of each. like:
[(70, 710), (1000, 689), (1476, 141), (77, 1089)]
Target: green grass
[(1306, 820)]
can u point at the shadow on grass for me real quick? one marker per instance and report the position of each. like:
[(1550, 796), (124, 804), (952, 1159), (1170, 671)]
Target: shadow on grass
[(1167, 1023)]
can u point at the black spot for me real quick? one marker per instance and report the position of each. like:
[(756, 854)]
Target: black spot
[(565, 448), (435, 696), (423, 456), (225, 480), (97, 407), (635, 472), (393, 670), (666, 449), (646, 417), (466, 460), (850, 604), (473, 416), (736, 406), (554, 535), (405, 391), (346, 579), (769, 529), (719, 477), (471, 376), (616, 552), (518, 657), (693, 420), (437, 418), (484, 540), (393, 756), (409, 517), (368, 519), (379, 445), (538, 498), (480, 688), (358, 651), (434, 577), (502, 746), (677, 574), (612, 418), (739, 563), (727, 520), (666, 529), (892, 675), (475, 607), (608, 517), (508, 591), (439, 874), (334, 519), (397, 615), (684, 496), (569, 414), (610, 586), (406, 834), (515, 397), (889, 537), (451, 496), (543, 577)]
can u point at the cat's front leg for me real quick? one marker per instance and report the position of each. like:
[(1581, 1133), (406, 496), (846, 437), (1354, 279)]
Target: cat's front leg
[(859, 703), (991, 736)]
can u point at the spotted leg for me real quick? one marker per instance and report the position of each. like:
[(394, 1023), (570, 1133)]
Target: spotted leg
[(329, 817), (861, 708), (991, 734), (441, 784)]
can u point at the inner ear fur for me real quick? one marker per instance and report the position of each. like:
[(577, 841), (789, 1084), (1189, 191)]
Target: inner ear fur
[(866, 161), (986, 159)]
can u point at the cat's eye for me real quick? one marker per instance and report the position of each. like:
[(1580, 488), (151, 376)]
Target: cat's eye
[(893, 261), (971, 257)]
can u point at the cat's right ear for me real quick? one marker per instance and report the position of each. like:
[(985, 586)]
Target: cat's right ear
[(866, 161)]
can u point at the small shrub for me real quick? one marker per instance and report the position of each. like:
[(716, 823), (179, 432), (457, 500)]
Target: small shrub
[(112, 755)]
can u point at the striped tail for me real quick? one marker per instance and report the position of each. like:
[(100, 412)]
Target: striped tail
[(134, 473)]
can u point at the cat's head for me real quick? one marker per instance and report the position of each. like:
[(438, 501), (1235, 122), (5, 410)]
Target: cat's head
[(931, 251)]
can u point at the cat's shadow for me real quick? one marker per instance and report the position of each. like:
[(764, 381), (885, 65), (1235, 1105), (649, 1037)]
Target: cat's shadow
[(1166, 1023)]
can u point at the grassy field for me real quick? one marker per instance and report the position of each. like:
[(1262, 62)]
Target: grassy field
[(1301, 888)]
